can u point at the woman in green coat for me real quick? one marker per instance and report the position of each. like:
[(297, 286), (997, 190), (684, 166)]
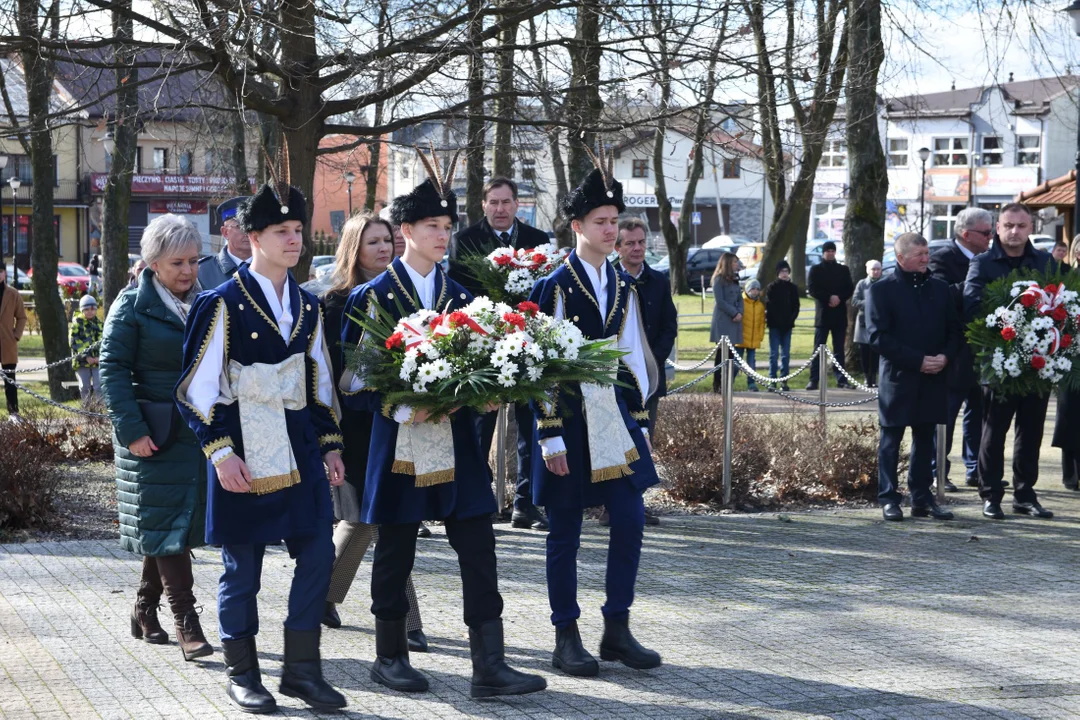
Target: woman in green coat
[(161, 491)]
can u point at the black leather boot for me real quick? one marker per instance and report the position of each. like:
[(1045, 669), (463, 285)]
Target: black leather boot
[(245, 688), (619, 644), (417, 641), (301, 675), (491, 675), (391, 667), (570, 655)]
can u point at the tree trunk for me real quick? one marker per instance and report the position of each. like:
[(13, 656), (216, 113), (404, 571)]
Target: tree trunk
[(474, 153), (503, 161), (583, 105), (551, 113), (239, 152), (43, 257), (117, 200), (371, 180)]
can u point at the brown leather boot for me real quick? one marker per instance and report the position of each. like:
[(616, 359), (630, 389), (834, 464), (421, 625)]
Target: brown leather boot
[(178, 581), (144, 620), (190, 637)]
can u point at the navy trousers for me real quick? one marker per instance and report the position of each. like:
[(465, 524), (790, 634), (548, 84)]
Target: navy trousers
[(238, 610), (523, 416), (919, 475), (627, 512)]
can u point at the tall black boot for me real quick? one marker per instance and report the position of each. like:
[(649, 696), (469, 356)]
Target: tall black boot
[(619, 644), (391, 667), (491, 675), (570, 655), (302, 676), (245, 688)]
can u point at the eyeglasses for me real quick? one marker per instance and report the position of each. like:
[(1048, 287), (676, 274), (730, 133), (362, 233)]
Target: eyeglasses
[(984, 233)]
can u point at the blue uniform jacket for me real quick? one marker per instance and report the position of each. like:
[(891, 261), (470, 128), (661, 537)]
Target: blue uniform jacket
[(564, 417), (253, 337), (393, 498)]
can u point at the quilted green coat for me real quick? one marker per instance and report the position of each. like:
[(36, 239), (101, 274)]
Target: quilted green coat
[(162, 498)]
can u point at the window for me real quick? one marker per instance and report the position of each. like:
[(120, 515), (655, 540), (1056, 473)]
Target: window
[(732, 168), (138, 161), (19, 166), (161, 159), (992, 150), (690, 169), (834, 154), (641, 168), (528, 170), (951, 151), (217, 161), (187, 160), (405, 169), (730, 126), (898, 152), (943, 220), (1028, 150)]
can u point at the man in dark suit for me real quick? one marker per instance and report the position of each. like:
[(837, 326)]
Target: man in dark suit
[(974, 228), (831, 287), (217, 269), (914, 325), (501, 228), (1012, 251)]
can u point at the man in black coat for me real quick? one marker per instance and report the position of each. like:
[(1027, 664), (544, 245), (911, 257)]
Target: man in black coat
[(781, 311), (974, 228), (501, 228), (831, 287), (913, 324), (1012, 251)]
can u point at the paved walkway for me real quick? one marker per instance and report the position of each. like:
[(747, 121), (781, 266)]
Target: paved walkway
[(825, 614)]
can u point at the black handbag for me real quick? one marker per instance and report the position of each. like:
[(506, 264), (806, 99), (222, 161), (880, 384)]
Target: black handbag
[(163, 419)]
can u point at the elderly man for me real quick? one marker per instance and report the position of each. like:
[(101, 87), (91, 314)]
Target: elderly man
[(1012, 252), (216, 269), (974, 228), (914, 325), (829, 283)]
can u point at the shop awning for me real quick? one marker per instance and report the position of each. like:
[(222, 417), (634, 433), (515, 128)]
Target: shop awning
[(1059, 193)]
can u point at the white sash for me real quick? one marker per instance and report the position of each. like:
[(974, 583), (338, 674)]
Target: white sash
[(425, 450), (611, 449)]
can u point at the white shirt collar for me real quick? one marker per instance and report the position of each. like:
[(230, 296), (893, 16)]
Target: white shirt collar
[(236, 261), (509, 231), (281, 310), (967, 253), (425, 286), (598, 278)]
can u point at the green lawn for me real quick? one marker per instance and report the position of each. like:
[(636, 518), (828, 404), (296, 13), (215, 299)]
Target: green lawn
[(28, 404)]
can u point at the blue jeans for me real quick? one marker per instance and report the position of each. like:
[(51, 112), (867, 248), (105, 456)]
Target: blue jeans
[(779, 350), (750, 355)]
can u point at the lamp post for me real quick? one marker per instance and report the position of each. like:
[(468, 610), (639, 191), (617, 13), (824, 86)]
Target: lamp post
[(1074, 14), (350, 178), (924, 155), (3, 164), (15, 184)]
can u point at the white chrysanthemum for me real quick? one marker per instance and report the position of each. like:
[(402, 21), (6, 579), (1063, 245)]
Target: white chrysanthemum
[(419, 387), (510, 345), (1029, 340), (1015, 291), (534, 372), (507, 377), (553, 353), (1063, 363), (519, 282), (440, 369)]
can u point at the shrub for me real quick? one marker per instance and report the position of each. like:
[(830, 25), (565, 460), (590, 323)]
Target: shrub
[(776, 459), (75, 438), (28, 476)]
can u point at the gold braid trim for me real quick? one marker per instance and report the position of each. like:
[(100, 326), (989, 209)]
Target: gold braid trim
[(299, 311), (545, 423), (257, 306), (641, 415), (217, 463), (267, 485), (555, 455), (371, 299), (440, 477), (618, 292), (181, 390), (581, 285), (330, 439), (388, 410), (401, 286), (320, 323), (211, 448), (403, 467), (616, 471)]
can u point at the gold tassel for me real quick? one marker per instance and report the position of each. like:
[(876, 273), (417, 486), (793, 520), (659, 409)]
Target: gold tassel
[(436, 478), (267, 485), (611, 473), (403, 467), (632, 455)]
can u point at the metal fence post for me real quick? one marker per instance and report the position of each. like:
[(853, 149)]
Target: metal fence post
[(729, 401), (500, 459), (942, 459), (823, 385)]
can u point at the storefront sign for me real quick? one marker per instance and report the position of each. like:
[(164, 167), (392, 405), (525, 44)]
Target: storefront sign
[(179, 207), (951, 184), (204, 185), (649, 201)]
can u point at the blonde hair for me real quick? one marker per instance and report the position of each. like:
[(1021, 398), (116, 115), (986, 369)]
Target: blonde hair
[(348, 272)]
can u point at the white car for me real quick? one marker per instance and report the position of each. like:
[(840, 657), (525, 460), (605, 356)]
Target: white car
[(723, 241)]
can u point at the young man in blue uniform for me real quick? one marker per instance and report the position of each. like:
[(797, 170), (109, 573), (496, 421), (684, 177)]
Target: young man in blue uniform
[(448, 482), (594, 443), (257, 389)]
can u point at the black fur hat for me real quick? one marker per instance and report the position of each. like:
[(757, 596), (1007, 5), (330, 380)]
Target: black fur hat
[(432, 198), (265, 208), (599, 188)]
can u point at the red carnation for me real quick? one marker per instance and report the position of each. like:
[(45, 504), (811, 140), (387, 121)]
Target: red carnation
[(436, 321), (504, 259), (515, 319), (1066, 341), (1059, 314), (539, 258), (458, 318), (394, 341), (529, 308), (1008, 333), (1038, 362), (1027, 300), (1050, 289)]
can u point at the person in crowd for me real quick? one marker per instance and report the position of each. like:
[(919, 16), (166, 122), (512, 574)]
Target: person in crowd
[(12, 325), (594, 447), (781, 312), (257, 389), (396, 501), (1012, 251), (974, 228), (829, 283), (868, 357), (1067, 420), (365, 249), (727, 313), (84, 335), (160, 468), (912, 322), (753, 328), (500, 228), (399, 241), (93, 269), (135, 273), (235, 251), (1060, 252)]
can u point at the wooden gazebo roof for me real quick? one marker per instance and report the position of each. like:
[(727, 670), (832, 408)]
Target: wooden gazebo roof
[(1059, 192)]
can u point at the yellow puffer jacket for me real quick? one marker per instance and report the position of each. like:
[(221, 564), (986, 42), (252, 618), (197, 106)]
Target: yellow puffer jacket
[(753, 323)]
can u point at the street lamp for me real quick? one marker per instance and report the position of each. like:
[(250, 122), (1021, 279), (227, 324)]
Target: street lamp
[(1074, 14), (350, 178), (15, 184), (924, 155), (3, 164)]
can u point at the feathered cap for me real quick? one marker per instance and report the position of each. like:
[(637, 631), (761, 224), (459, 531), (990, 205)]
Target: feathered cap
[(433, 197), (599, 188), (276, 201)]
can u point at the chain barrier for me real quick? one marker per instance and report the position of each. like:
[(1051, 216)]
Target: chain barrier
[(691, 368), (768, 380), (53, 403), (843, 371), (58, 362), (818, 403), (698, 379)]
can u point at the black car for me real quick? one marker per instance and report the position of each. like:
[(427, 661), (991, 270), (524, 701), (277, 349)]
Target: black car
[(700, 264)]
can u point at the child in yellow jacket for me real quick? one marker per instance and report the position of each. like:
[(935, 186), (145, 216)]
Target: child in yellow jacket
[(753, 328)]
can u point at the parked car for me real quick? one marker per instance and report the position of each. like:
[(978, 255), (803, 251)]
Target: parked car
[(722, 241), (700, 263), (1043, 242), (318, 261), (323, 272), (651, 258), (72, 278), (22, 280)]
